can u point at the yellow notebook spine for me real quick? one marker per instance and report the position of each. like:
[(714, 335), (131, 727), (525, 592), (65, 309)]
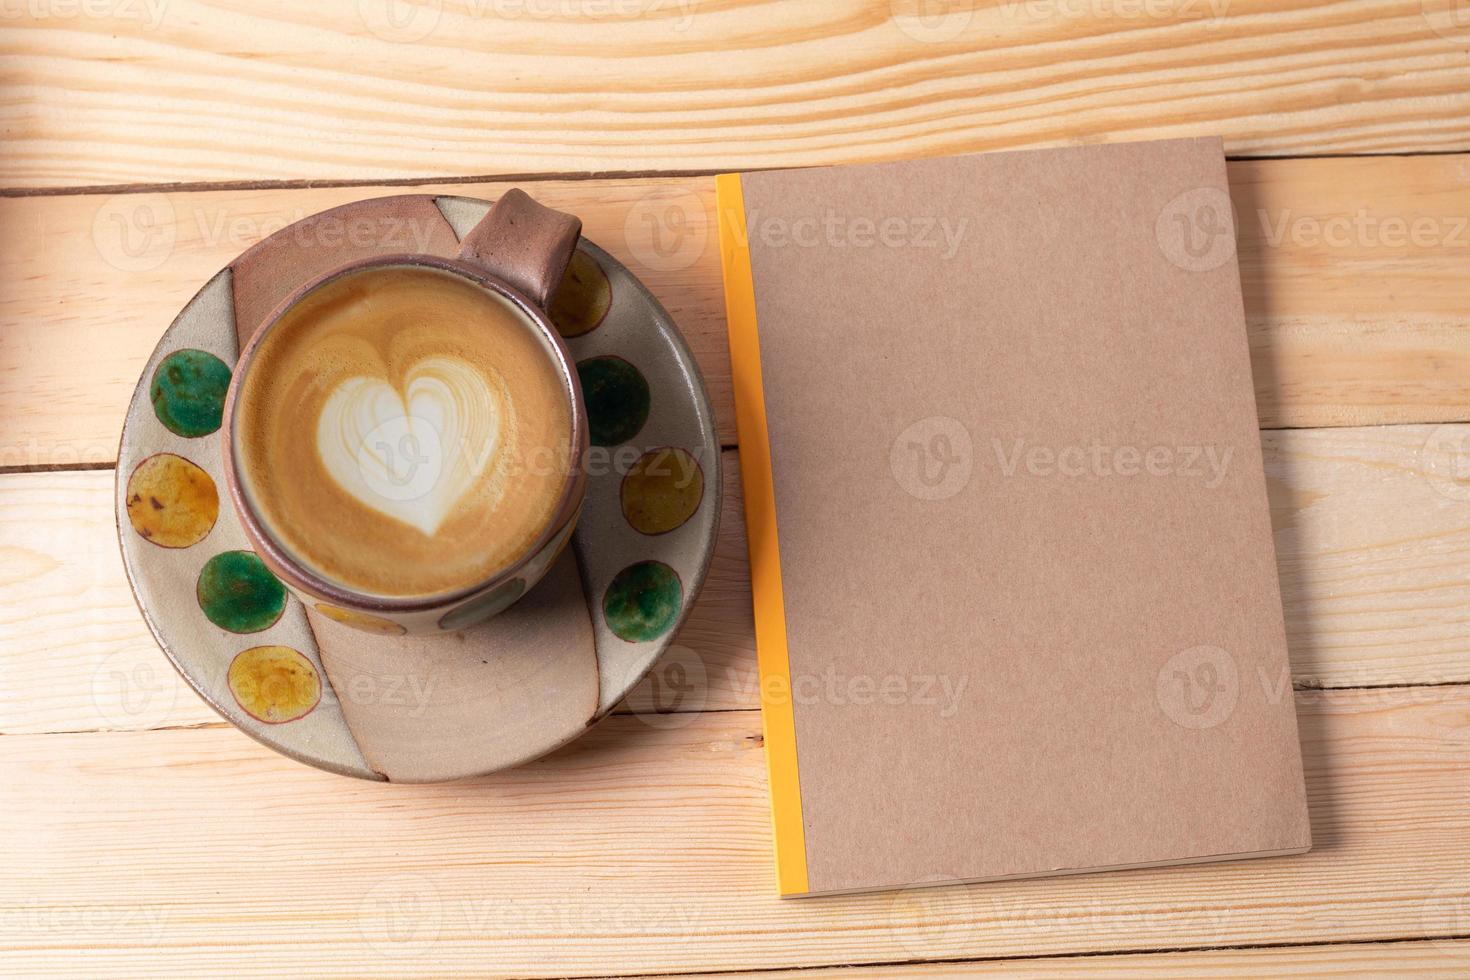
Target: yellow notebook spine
[(778, 720)]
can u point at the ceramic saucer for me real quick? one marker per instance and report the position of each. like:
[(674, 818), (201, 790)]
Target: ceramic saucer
[(408, 708)]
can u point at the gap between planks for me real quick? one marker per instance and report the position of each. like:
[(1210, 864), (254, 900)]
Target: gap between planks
[(189, 187), (1429, 957)]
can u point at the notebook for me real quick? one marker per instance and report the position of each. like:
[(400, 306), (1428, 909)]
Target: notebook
[(1015, 589)]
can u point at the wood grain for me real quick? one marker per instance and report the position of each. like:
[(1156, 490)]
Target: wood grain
[(145, 837), (1352, 322), (88, 285), (1372, 531), (75, 654), (646, 850), (1444, 958), (143, 91), (1372, 539), (1355, 296)]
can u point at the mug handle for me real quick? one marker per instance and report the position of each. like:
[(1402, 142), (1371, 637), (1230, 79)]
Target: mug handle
[(524, 244)]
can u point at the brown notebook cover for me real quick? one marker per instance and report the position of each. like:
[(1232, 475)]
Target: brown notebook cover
[(1015, 586)]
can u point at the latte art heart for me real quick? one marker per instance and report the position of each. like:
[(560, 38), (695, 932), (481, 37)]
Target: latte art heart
[(412, 455)]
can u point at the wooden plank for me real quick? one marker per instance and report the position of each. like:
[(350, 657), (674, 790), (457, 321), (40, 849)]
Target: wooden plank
[(1372, 546), (647, 850), (1355, 295), (88, 285), (1368, 328), (150, 92), (1372, 539), (75, 654), (1442, 958)]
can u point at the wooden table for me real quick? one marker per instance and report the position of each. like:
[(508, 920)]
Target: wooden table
[(145, 142)]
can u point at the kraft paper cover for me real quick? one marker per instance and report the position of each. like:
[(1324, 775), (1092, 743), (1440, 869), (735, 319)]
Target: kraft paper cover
[(1015, 583)]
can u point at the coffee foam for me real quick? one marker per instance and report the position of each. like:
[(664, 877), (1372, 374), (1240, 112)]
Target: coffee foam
[(415, 456), (404, 432)]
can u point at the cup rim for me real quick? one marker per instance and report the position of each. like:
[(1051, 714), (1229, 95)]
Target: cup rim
[(294, 570)]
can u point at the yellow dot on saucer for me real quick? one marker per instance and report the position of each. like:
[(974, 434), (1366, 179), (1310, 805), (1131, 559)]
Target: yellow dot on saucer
[(361, 621), (171, 502), (582, 299), (662, 490), (274, 684)]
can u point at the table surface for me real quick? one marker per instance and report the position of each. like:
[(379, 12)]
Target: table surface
[(148, 141)]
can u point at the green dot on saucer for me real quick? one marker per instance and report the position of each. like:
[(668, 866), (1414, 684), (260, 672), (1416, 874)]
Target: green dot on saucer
[(617, 399), (238, 593), (188, 392), (643, 601)]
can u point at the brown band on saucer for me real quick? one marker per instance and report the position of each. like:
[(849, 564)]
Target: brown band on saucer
[(421, 708), (526, 244)]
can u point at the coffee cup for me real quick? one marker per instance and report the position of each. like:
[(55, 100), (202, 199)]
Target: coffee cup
[(404, 436)]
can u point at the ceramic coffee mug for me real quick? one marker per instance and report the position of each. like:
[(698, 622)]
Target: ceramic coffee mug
[(404, 437)]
